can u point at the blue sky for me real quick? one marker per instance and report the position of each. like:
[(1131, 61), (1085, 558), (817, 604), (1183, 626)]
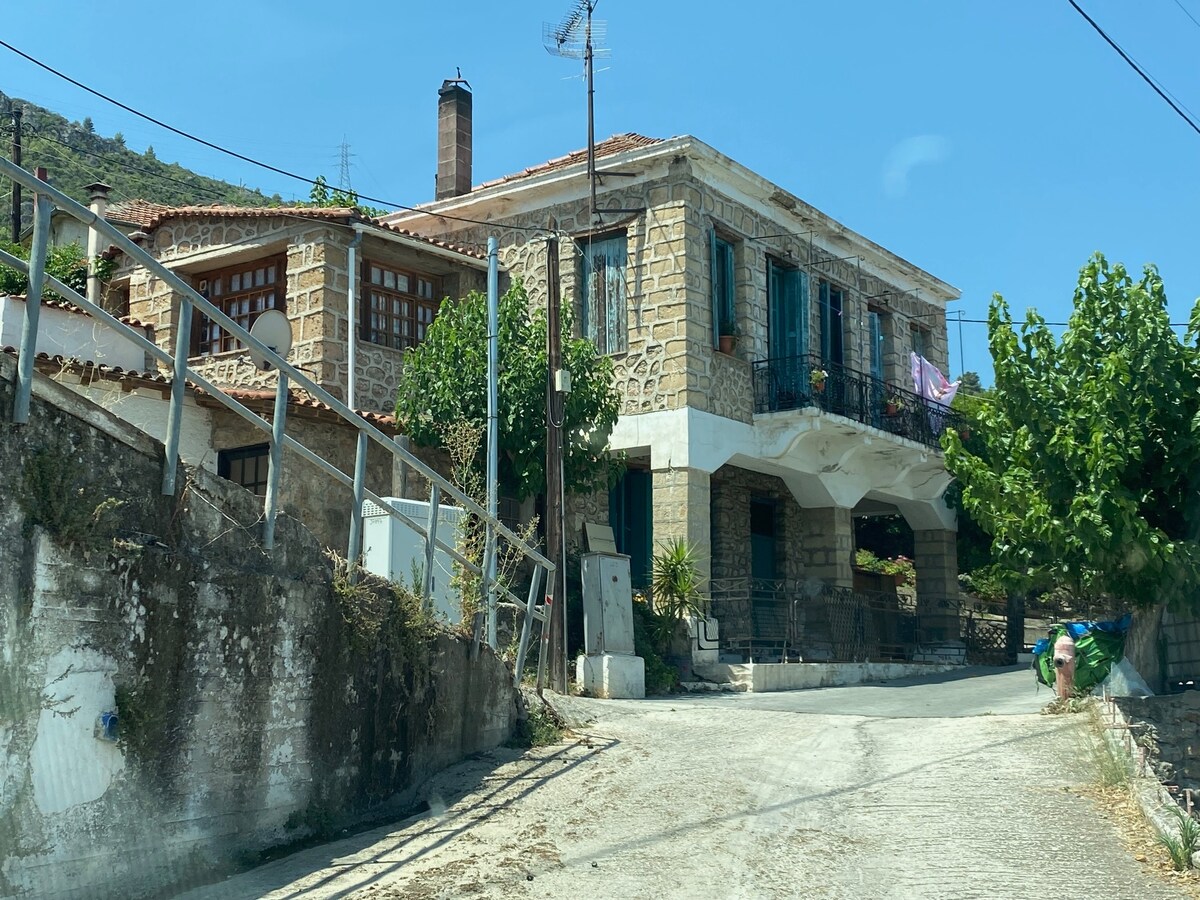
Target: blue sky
[(996, 145)]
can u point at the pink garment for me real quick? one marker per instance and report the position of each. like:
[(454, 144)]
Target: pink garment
[(931, 383), (1064, 666)]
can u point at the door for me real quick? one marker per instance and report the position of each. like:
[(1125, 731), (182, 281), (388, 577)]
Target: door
[(767, 608), (629, 514)]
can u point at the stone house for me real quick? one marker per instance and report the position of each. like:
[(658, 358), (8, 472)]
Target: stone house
[(334, 272), (762, 349)]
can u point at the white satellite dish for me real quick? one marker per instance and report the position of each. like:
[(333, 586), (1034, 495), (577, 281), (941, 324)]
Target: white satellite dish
[(273, 329)]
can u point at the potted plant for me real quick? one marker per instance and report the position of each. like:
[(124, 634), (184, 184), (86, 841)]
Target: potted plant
[(816, 378), (675, 588), (728, 337), (894, 403)]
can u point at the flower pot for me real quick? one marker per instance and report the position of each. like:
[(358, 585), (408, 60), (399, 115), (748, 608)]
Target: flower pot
[(727, 343), (890, 409), (818, 387), (965, 434)]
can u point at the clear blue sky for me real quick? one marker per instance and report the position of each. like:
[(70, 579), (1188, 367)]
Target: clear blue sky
[(1030, 142)]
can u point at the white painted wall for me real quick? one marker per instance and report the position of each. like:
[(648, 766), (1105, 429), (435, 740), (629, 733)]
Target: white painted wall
[(147, 411), (71, 335)]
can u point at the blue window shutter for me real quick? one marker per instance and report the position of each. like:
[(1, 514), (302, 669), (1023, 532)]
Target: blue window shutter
[(802, 312), (714, 269), (876, 323)]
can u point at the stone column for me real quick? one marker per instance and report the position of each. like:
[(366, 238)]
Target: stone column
[(936, 563), (828, 548), (681, 509)]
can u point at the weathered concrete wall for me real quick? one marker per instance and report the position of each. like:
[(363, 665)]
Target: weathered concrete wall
[(258, 702)]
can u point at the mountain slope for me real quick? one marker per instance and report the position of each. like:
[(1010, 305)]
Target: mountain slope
[(76, 156)]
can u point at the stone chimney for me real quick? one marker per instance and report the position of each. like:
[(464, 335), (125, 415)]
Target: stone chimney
[(454, 139)]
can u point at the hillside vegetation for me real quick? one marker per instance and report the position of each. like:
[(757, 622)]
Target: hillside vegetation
[(75, 156)]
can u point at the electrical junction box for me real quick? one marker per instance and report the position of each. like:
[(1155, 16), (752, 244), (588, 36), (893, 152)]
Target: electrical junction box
[(393, 550), (607, 604)]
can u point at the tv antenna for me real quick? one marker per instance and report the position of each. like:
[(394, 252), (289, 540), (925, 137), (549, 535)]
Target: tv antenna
[(575, 37)]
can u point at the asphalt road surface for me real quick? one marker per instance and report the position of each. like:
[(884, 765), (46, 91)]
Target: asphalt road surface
[(945, 787)]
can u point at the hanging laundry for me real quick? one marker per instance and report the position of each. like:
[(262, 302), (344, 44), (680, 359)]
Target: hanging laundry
[(931, 383)]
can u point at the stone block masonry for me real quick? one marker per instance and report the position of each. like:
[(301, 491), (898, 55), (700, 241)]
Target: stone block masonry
[(259, 702)]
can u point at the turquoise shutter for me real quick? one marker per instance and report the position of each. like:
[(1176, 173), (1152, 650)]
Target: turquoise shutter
[(714, 269), (876, 335), (802, 312)]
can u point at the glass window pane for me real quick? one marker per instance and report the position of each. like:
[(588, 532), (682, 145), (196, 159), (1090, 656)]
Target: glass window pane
[(235, 282), (260, 277), (389, 279), (270, 274), (376, 275), (402, 283)]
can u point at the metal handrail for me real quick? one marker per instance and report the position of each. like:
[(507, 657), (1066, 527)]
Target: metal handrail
[(190, 299), (794, 382)]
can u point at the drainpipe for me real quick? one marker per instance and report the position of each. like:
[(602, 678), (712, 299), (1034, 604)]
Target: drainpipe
[(352, 318)]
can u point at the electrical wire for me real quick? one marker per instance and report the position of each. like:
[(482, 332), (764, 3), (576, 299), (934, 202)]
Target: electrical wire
[(1188, 14), (1133, 65), (241, 156)]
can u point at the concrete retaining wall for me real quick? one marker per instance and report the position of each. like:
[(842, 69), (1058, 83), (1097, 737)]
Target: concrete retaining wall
[(258, 703)]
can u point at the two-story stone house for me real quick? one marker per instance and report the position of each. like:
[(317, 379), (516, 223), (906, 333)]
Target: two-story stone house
[(761, 448)]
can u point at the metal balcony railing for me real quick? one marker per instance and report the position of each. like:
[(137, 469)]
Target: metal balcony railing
[(793, 383), (493, 591)]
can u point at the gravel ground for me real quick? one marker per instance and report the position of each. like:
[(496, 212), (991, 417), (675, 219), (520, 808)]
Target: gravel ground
[(951, 787)]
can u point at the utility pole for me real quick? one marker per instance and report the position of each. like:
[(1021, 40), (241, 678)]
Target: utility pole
[(16, 188), (589, 65), (557, 590)]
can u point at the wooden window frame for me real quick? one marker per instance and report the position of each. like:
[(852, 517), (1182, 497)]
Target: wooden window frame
[(216, 286), (390, 316)]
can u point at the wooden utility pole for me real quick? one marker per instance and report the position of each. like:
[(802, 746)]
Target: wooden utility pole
[(16, 188), (554, 485)]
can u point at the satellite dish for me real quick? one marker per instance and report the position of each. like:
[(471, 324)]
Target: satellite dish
[(273, 329)]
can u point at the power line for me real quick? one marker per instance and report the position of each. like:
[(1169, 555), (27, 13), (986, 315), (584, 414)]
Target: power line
[(1133, 65), (242, 156), (1188, 14)]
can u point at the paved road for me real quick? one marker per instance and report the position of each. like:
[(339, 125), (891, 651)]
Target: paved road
[(947, 787)]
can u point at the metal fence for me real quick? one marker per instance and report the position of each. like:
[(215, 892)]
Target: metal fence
[(795, 382), (776, 620), (48, 198)]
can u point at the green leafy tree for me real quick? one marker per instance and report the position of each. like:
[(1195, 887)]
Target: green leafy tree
[(444, 381), (1082, 456), (67, 263)]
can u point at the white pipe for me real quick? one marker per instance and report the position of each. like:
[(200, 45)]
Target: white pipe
[(352, 319)]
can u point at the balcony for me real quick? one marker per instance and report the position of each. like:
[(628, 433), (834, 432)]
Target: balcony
[(787, 383)]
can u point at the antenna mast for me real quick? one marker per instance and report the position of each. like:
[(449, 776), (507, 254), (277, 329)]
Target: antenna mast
[(574, 38)]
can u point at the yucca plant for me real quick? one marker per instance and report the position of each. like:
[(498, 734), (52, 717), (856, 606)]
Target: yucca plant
[(675, 587)]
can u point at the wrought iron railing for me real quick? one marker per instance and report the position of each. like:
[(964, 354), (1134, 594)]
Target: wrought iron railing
[(796, 382)]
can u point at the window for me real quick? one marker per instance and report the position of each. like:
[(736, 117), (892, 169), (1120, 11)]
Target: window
[(787, 306), (833, 333), (398, 305), (918, 340), (724, 312), (630, 507), (603, 294), (246, 466), (242, 292)]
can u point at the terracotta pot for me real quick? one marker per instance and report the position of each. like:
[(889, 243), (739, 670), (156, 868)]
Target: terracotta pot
[(818, 387), (965, 434), (890, 409), (727, 343)]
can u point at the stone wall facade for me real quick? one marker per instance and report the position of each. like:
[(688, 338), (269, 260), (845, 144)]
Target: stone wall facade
[(316, 285), (255, 707)]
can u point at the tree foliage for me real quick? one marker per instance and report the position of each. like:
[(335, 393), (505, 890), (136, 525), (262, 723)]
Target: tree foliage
[(1084, 459), (75, 156), (67, 263), (444, 381)]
